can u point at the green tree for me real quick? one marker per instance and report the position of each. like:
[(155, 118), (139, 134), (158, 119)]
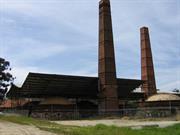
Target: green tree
[(6, 78), (176, 90)]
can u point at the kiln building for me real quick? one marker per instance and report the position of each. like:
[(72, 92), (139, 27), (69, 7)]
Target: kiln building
[(61, 96)]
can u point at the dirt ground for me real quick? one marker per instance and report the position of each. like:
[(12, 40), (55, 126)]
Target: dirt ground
[(8, 128), (119, 123)]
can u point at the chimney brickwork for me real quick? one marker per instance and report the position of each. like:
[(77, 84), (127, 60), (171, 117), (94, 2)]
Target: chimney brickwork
[(147, 67), (107, 68)]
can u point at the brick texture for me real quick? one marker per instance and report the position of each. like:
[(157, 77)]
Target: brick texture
[(147, 67), (107, 68)]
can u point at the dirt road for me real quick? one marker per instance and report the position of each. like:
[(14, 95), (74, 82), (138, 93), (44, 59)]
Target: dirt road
[(8, 128), (120, 123)]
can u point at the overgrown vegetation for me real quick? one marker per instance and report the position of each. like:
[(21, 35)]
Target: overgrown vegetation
[(91, 130)]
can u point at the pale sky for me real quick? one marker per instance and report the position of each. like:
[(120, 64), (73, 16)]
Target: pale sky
[(61, 37)]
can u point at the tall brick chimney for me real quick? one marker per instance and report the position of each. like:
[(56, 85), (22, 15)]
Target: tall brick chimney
[(147, 67), (107, 71)]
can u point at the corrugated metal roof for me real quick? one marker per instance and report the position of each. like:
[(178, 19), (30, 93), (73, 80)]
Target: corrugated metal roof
[(47, 85)]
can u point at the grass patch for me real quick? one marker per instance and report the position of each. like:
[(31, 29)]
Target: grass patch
[(91, 130)]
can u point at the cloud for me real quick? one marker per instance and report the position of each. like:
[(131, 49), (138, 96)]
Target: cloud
[(21, 73), (170, 86), (29, 49), (168, 78), (60, 36)]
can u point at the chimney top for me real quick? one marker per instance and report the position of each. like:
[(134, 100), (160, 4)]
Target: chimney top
[(104, 1), (144, 29)]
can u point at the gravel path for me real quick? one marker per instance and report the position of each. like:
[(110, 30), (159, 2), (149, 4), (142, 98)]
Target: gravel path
[(8, 128), (119, 123)]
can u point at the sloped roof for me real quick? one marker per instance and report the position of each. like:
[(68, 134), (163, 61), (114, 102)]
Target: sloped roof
[(8, 103), (163, 97), (47, 85), (56, 101), (14, 90)]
